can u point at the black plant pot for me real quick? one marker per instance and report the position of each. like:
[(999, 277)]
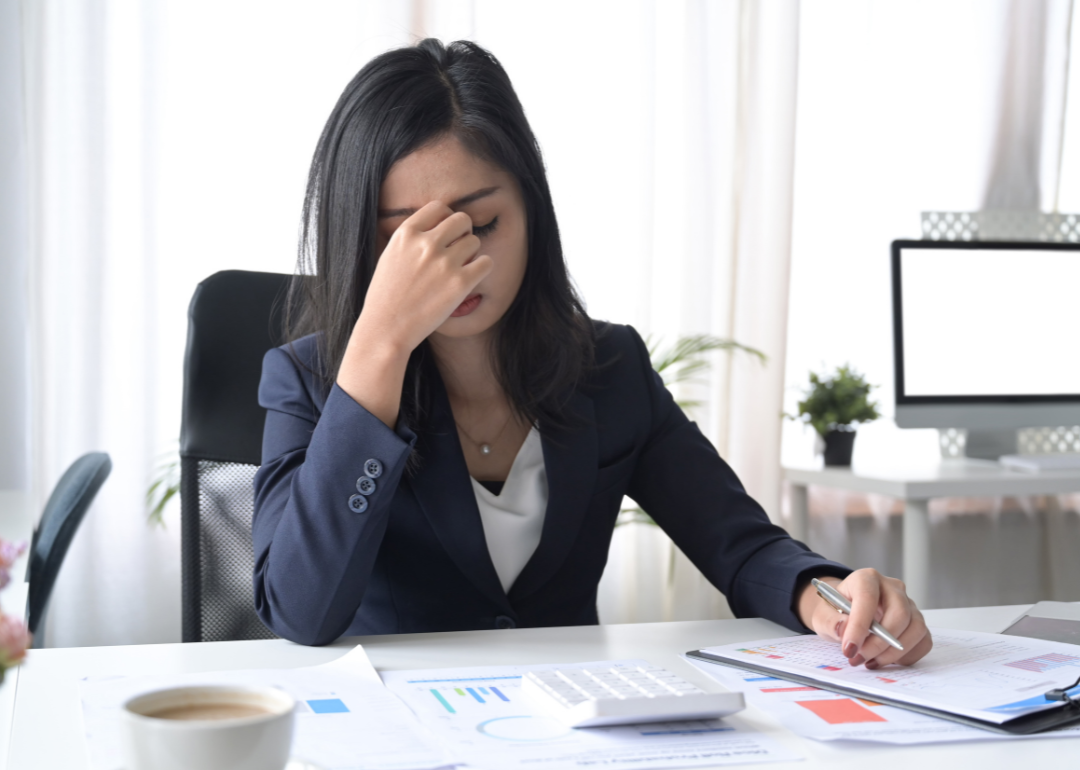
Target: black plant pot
[(839, 445)]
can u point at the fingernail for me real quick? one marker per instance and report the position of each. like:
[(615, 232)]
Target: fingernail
[(872, 665), (839, 629), (857, 660), (850, 649)]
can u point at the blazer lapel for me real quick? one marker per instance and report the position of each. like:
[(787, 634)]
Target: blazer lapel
[(570, 460), (446, 496)]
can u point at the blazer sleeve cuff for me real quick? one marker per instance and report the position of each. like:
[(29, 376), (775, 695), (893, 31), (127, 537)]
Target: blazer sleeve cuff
[(770, 579), (342, 410)]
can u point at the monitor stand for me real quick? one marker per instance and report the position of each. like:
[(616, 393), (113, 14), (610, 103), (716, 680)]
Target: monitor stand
[(990, 444)]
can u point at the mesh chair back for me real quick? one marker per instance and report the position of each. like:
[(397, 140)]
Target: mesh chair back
[(234, 318)]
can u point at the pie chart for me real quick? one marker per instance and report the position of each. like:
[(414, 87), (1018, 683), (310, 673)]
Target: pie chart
[(522, 728)]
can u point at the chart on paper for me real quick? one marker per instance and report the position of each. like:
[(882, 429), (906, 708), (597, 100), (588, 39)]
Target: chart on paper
[(827, 716), (456, 694), (481, 716), (986, 676), (473, 699)]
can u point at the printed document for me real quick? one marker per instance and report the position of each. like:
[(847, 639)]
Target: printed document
[(828, 716), (986, 676), (482, 719), (345, 719)]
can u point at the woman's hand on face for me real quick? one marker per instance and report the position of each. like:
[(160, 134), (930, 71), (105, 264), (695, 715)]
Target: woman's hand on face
[(428, 268), (873, 597)]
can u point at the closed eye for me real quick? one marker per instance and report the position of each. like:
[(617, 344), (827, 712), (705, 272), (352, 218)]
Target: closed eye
[(487, 229)]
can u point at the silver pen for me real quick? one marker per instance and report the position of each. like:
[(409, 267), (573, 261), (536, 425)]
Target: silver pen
[(842, 605)]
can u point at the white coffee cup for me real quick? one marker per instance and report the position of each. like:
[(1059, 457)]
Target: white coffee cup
[(223, 727)]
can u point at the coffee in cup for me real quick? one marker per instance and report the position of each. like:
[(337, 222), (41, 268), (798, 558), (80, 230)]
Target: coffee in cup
[(222, 727)]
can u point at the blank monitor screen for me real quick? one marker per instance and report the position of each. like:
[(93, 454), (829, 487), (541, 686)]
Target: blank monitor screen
[(982, 323)]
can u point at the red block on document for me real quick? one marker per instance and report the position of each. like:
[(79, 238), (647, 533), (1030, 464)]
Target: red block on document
[(841, 712)]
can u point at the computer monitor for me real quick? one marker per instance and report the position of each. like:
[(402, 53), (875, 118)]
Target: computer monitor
[(985, 335)]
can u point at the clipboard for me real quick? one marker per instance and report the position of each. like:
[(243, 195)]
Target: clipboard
[(1049, 719)]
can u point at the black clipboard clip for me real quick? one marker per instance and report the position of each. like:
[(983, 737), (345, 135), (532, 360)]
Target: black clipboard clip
[(1062, 694)]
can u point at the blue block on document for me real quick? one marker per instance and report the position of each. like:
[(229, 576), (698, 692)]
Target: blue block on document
[(328, 706)]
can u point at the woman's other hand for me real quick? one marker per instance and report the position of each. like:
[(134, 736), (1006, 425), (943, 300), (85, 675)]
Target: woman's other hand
[(873, 597)]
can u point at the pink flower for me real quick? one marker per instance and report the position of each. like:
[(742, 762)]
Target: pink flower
[(9, 552), (14, 639)]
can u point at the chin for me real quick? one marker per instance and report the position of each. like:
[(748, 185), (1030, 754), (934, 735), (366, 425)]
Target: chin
[(477, 322)]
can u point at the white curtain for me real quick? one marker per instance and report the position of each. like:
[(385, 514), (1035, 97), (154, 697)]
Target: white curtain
[(94, 288), (1029, 137), (14, 255)]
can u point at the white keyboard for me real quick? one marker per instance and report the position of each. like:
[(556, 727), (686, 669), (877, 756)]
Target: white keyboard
[(591, 697)]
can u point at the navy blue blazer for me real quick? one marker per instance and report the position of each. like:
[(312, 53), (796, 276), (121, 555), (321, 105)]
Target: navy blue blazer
[(416, 559)]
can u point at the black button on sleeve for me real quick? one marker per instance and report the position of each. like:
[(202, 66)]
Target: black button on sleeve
[(358, 503), (501, 621), (365, 485), (373, 468)]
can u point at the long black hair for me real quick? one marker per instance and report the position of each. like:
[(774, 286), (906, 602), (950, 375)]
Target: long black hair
[(399, 102)]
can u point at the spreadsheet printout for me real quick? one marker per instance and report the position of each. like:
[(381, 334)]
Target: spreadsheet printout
[(989, 677), (822, 715)]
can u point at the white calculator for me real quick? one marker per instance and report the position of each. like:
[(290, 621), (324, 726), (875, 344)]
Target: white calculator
[(592, 697)]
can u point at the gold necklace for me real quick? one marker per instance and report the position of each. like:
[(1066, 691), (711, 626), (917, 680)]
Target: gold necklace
[(484, 447)]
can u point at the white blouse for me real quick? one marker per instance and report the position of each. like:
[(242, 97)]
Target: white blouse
[(514, 518)]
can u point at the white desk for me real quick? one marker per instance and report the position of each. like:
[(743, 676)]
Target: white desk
[(16, 525), (916, 487), (47, 726)]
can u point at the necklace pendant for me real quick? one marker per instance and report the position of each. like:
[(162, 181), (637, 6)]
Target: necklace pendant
[(485, 449)]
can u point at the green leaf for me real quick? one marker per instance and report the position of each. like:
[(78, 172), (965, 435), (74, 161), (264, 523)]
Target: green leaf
[(157, 515), (686, 355), (165, 486)]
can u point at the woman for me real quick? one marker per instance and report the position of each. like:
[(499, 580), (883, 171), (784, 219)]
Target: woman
[(449, 436)]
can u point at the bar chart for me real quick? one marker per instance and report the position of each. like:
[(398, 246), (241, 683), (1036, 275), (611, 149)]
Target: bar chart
[(457, 694)]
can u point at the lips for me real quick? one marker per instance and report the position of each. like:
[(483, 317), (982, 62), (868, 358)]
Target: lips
[(470, 304)]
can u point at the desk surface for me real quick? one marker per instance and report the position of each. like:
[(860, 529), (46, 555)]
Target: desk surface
[(947, 478), (47, 727)]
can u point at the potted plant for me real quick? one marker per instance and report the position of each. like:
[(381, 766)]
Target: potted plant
[(835, 405)]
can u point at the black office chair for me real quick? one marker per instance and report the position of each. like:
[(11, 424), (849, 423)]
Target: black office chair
[(64, 511), (234, 318)]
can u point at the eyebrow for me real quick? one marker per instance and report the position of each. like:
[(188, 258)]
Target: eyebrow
[(473, 196)]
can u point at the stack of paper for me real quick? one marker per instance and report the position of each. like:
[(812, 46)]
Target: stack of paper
[(988, 677), (481, 718)]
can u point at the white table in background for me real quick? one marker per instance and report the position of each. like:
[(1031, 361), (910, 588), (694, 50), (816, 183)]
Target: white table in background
[(47, 731), (916, 487), (16, 525)]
